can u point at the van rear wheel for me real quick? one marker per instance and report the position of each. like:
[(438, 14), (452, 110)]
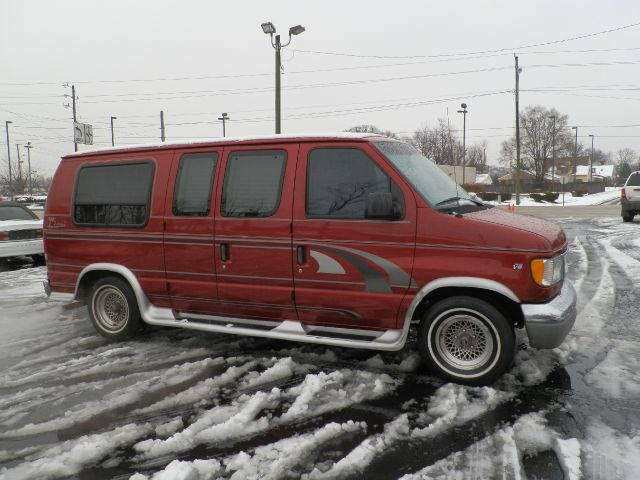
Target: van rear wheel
[(113, 309), (466, 340)]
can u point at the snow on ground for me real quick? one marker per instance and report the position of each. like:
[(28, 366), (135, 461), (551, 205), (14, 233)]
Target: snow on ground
[(610, 195)]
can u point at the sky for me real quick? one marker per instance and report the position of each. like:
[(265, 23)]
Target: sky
[(396, 65)]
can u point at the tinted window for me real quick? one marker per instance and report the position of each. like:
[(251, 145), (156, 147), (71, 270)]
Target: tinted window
[(113, 194), (634, 180), (253, 183), (194, 183), (338, 181), (11, 212)]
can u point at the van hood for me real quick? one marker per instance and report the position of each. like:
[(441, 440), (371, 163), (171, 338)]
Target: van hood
[(548, 231), (491, 228)]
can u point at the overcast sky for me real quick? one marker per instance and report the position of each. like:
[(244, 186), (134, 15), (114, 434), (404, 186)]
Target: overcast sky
[(359, 62)]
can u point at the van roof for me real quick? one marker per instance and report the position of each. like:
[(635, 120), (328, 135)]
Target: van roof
[(226, 140)]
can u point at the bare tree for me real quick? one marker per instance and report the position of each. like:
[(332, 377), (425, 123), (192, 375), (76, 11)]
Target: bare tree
[(626, 155), (438, 143), (537, 139), (372, 129), (477, 156)]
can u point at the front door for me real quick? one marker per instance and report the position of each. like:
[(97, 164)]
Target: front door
[(253, 233), (350, 271)]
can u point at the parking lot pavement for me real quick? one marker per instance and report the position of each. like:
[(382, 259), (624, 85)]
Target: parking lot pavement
[(190, 405)]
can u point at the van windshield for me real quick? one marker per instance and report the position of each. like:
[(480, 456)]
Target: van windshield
[(433, 185)]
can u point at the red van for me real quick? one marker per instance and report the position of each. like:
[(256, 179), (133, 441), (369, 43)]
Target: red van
[(347, 240)]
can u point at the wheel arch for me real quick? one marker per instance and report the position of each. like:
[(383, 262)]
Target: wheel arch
[(93, 272), (497, 294)]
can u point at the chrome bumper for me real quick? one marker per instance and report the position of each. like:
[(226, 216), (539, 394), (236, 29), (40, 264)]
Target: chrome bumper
[(549, 323)]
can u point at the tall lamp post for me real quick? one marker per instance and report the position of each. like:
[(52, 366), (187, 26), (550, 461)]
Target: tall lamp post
[(591, 160), (28, 146), (553, 150), (464, 139), (575, 155), (6, 124), (269, 29), (224, 119), (113, 144)]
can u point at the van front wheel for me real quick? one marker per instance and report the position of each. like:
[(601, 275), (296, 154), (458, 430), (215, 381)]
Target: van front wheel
[(466, 340), (113, 309)]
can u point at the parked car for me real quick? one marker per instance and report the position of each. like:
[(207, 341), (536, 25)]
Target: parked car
[(20, 232), (630, 197), (348, 240)]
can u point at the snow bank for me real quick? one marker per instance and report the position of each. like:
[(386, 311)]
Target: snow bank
[(70, 457)]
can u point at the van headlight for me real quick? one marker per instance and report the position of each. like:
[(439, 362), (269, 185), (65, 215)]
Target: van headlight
[(547, 271)]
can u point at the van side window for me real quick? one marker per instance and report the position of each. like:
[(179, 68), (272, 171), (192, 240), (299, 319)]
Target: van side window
[(338, 181), (115, 195), (253, 183), (194, 183)]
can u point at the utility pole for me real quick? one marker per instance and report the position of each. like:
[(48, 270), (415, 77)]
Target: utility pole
[(28, 146), (591, 161), (224, 118), (517, 132), (73, 97), (19, 166), (113, 144), (6, 124), (162, 125), (553, 150), (278, 47), (464, 140), (269, 29), (575, 155)]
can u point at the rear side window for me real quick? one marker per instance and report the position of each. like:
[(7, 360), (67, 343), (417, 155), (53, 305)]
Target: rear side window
[(338, 181), (114, 195), (253, 183), (192, 194), (634, 180)]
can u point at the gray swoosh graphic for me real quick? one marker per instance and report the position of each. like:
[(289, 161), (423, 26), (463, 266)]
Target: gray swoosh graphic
[(327, 264), (374, 281), (396, 274)]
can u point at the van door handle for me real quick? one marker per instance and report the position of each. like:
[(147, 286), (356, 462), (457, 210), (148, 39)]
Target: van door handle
[(225, 252), (301, 253)]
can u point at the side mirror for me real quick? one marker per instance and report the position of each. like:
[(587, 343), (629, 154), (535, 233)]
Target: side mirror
[(380, 206)]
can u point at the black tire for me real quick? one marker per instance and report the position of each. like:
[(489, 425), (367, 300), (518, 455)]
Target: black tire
[(628, 217), (113, 309), (38, 260), (466, 340)]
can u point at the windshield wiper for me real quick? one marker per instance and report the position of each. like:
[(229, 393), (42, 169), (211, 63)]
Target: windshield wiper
[(448, 200)]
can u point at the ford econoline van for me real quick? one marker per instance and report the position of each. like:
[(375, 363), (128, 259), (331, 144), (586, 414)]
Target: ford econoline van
[(348, 240)]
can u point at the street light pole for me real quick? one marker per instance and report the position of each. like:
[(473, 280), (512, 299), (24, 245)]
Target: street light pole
[(269, 29), (591, 160), (575, 155), (113, 144), (224, 119), (464, 139), (6, 124), (28, 146)]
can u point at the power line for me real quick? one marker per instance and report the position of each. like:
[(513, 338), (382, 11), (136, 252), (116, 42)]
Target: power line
[(510, 49)]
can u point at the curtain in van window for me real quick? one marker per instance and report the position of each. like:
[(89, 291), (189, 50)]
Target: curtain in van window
[(194, 184), (253, 183), (113, 194)]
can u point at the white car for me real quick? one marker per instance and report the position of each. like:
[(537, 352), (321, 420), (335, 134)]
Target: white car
[(20, 232), (630, 197)]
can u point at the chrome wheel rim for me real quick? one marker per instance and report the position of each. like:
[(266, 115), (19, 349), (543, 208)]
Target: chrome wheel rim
[(464, 342), (110, 308)]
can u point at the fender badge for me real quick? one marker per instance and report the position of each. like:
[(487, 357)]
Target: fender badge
[(517, 266)]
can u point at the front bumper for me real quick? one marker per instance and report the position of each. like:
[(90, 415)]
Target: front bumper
[(549, 323)]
